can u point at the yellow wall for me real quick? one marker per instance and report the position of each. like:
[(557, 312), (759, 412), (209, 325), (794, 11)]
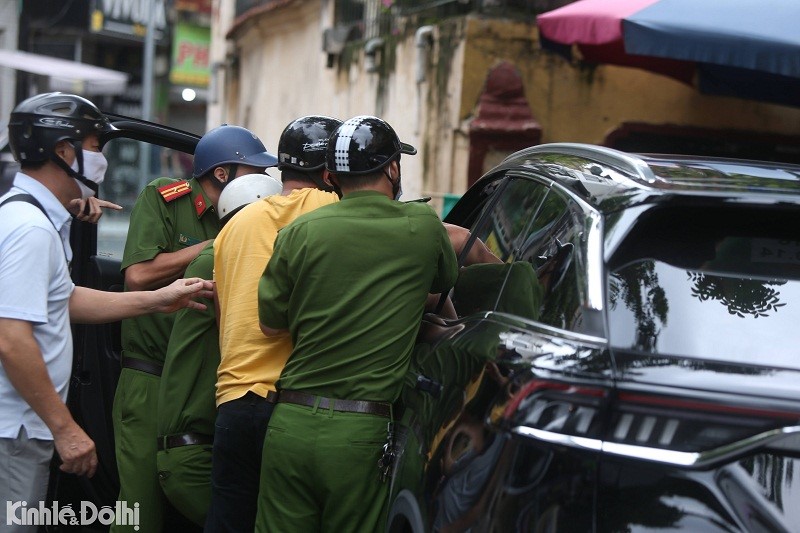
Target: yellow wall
[(580, 103)]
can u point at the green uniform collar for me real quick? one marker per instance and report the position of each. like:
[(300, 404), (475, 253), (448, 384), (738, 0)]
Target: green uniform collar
[(363, 193), (199, 199)]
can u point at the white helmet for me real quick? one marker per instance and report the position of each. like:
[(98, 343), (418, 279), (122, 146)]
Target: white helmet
[(244, 190)]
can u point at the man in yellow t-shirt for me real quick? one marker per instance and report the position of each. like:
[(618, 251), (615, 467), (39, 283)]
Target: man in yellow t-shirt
[(251, 363)]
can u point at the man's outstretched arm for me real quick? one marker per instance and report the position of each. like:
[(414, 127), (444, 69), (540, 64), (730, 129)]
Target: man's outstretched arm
[(89, 306)]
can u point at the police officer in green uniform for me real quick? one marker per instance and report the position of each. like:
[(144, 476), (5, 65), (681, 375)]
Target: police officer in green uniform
[(171, 222), (353, 330), (186, 407)]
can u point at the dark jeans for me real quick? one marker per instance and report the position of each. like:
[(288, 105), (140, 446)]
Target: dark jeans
[(236, 463)]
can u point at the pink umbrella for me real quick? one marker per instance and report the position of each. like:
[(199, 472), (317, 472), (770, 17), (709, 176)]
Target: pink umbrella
[(590, 22), (595, 26)]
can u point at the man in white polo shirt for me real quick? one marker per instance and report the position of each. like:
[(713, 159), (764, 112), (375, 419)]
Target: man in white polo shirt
[(55, 137)]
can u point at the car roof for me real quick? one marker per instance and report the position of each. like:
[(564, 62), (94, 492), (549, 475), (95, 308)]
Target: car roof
[(609, 179)]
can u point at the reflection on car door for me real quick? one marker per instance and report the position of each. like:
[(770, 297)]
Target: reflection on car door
[(462, 465)]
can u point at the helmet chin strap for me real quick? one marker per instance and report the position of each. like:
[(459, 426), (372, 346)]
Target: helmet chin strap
[(395, 184), (78, 147)]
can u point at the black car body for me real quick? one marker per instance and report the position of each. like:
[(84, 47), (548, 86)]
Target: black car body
[(654, 387)]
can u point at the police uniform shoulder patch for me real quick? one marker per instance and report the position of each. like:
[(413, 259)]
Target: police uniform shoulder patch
[(175, 190)]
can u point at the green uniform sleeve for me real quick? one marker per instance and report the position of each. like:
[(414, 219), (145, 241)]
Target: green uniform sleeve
[(151, 228), (275, 286), (447, 271)]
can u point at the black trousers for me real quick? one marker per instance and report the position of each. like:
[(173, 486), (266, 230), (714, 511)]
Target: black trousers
[(236, 463)]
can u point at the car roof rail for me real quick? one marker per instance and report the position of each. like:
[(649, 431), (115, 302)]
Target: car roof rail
[(633, 166)]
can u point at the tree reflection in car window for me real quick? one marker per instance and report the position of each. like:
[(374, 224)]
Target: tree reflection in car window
[(742, 317), (740, 296), (638, 289)]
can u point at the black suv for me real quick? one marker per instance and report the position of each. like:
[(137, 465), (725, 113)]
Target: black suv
[(630, 363)]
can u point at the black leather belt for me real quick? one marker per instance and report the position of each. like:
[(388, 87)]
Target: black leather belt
[(142, 366), (346, 406), (183, 439)]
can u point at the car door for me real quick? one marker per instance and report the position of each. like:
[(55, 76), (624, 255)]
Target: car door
[(486, 386), (558, 370), (137, 152)]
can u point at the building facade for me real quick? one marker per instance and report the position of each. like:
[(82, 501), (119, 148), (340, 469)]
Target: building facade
[(467, 82)]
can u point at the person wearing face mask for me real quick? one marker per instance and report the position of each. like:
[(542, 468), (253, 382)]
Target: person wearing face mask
[(171, 222), (88, 208), (38, 300), (348, 282), (88, 169)]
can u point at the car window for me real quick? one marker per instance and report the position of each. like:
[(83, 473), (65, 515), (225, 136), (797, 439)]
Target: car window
[(713, 271), (555, 247), (500, 229), (125, 179), (659, 308), (507, 225)]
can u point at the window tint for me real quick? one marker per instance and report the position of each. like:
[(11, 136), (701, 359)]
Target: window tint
[(687, 267), (488, 264), (532, 235), (508, 224), (555, 246), (656, 307)]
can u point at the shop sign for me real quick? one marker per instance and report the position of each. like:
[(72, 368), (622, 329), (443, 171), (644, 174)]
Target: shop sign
[(190, 55), (128, 18)]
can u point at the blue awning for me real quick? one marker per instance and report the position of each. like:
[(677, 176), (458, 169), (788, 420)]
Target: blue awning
[(743, 48)]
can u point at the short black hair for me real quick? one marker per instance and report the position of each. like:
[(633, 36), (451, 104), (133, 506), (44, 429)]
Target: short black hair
[(288, 173), (32, 165)]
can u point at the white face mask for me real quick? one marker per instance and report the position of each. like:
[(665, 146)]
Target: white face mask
[(94, 169)]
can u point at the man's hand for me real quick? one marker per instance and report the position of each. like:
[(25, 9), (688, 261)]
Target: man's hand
[(90, 210), (183, 293), (76, 450)]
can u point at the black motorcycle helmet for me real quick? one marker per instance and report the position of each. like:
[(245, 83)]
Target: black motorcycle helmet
[(362, 145), (302, 143), (38, 123)]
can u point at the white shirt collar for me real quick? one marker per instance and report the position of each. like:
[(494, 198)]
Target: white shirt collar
[(55, 210)]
